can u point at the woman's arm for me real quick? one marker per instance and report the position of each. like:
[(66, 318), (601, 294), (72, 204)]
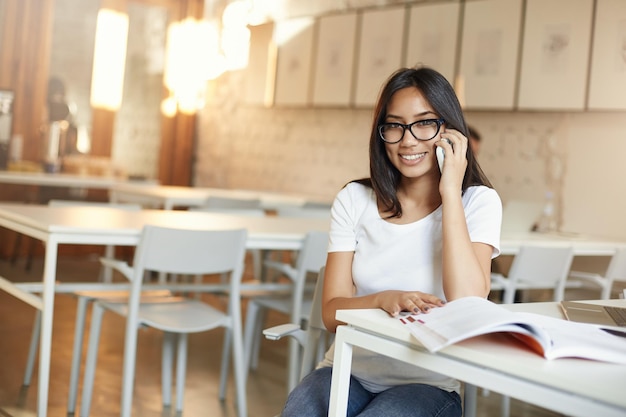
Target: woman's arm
[(339, 293), (466, 266)]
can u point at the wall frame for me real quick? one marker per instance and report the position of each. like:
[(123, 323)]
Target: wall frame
[(380, 51), (607, 79), (294, 43), (334, 60), (432, 37), (261, 71), (489, 53), (555, 55)]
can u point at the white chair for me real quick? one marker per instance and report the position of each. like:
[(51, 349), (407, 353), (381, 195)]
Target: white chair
[(188, 252), (616, 270), (536, 267), (81, 311), (314, 339), (313, 212), (296, 304), (219, 202), (533, 267), (251, 208)]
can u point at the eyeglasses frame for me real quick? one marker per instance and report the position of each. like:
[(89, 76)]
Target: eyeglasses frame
[(409, 126)]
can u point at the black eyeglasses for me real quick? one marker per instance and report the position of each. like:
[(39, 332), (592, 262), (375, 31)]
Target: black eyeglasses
[(421, 130)]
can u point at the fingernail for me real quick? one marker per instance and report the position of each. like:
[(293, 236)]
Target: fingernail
[(426, 309), (416, 310)]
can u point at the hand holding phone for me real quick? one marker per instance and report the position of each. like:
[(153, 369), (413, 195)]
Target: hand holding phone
[(441, 154)]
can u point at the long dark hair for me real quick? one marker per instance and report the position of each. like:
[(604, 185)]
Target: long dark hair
[(384, 177)]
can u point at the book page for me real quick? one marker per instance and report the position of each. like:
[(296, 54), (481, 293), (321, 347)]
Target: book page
[(550, 337), (580, 340), (464, 318)]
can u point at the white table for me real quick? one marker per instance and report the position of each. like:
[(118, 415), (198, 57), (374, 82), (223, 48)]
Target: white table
[(44, 179), (573, 387), (109, 226), (170, 196), (583, 245)]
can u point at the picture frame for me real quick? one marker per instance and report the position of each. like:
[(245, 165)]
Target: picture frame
[(334, 60), (432, 37), (381, 44), (555, 55), (490, 52), (607, 78), (294, 43)]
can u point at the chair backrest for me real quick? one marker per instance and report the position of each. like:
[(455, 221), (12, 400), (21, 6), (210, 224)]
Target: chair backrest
[(311, 258), (251, 212), (312, 212), (541, 267), (316, 334), (616, 271), (191, 252), (216, 202)]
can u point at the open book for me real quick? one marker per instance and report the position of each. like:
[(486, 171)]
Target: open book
[(550, 337)]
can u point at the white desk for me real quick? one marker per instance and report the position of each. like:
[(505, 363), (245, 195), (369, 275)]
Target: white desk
[(170, 196), (582, 245), (573, 387), (110, 226), (59, 180)]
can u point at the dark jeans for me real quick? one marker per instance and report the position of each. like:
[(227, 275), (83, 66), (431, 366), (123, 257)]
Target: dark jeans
[(312, 396)]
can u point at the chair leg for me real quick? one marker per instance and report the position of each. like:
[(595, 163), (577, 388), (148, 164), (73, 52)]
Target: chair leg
[(79, 331), (92, 357), (250, 333), (293, 368), (181, 370), (225, 362), (167, 353), (32, 350), (240, 369), (256, 339), (128, 372)]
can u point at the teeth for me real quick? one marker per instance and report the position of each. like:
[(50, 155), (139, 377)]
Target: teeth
[(413, 157)]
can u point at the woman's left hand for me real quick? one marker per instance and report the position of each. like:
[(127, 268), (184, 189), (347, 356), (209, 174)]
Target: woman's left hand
[(455, 160)]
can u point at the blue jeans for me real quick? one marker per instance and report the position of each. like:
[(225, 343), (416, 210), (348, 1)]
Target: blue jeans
[(312, 396)]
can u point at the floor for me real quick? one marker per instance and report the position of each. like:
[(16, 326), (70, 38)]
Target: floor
[(265, 389)]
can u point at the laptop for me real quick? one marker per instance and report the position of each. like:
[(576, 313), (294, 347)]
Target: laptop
[(595, 314), (519, 216)]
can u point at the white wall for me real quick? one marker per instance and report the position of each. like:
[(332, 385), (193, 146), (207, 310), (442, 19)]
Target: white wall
[(577, 156)]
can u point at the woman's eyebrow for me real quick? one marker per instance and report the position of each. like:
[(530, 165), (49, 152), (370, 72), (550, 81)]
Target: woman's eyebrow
[(426, 113)]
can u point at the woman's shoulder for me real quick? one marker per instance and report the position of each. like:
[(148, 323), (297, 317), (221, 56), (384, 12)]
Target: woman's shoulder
[(358, 190), (481, 194)]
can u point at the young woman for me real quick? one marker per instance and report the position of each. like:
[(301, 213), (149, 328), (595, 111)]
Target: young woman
[(407, 239)]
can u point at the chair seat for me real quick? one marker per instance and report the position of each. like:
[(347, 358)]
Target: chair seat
[(178, 315)]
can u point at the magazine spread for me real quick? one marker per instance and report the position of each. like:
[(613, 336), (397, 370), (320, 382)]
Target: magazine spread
[(550, 337)]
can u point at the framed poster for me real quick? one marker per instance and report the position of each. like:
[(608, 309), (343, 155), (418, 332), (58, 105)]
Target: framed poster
[(489, 53), (555, 55), (432, 37), (380, 51), (334, 61), (607, 80), (261, 68), (294, 43)]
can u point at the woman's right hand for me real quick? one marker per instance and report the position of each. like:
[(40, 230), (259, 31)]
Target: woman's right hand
[(393, 301)]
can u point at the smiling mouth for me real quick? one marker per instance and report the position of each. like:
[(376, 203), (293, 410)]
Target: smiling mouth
[(413, 157)]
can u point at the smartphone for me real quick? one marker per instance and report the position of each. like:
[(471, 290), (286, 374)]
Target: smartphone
[(441, 154)]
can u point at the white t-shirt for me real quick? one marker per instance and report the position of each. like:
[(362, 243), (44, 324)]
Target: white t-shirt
[(401, 257)]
